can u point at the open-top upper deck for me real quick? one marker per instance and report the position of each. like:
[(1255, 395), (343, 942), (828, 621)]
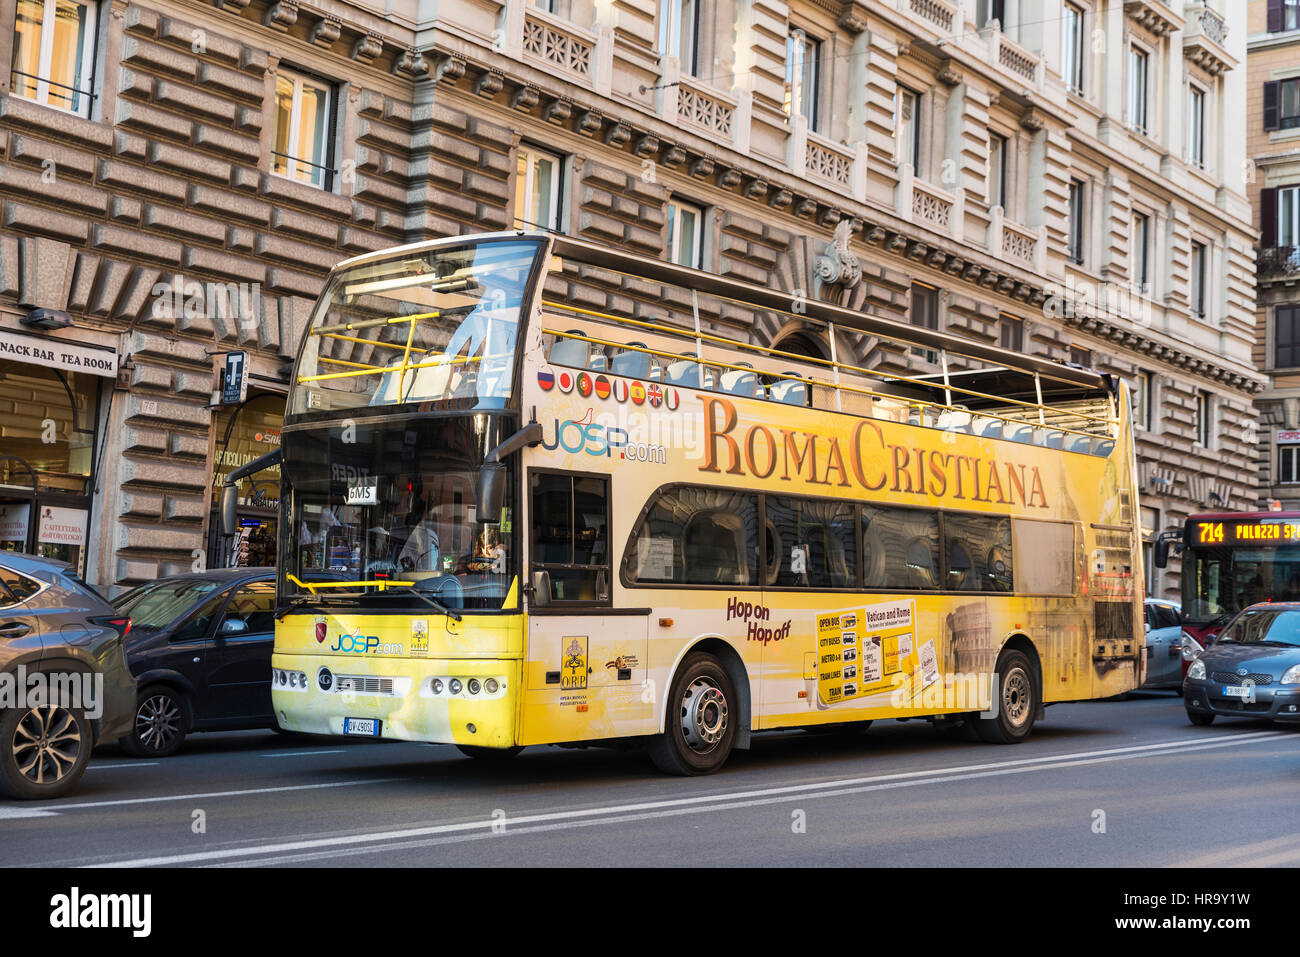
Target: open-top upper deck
[(439, 322)]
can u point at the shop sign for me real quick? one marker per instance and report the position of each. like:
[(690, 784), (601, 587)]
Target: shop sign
[(14, 521), (62, 526), (1288, 436), (57, 354)]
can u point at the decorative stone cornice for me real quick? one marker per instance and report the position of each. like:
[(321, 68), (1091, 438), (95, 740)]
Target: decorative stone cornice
[(1154, 16), (948, 74), (281, 15), (366, 48), (324, 32), (525, 98), (489, 84), (853, 17)]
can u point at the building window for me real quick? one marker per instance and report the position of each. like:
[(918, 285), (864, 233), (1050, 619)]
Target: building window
[(1196, 127), (925, 313), (1074, 248), (1011, 333), (1140, 242), (54, 54), (1283, 15), (991, 10), (679, 32), (549, 6), (1143, 400), (1081, 357), (997, 170), (304, 120), (1288, 216), (1138, 63), (1072, 48), (1288, 464), (802, 76), (1286, 336), (537, 189), (1196, 291), (685, 234), (1282, 104), (1202, 411), (907, 127)]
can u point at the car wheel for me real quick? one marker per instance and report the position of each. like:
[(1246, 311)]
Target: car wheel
[(43, 751), (1200, 719), (1018, 702), (700, 727), (488, 754), (162, 716)]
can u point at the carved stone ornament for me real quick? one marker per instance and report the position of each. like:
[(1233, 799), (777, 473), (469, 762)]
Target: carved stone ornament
[(1032, 120), (646, 146), (836, 265), (325, 32), (525, 98), (702, 167), (618, 135), (282, 14), (367, 48), (782, 198), (729, 178), (590, 122), (853, 16), (674, 155), (489, 84), (755, 189), (948, 74), (558, 111)]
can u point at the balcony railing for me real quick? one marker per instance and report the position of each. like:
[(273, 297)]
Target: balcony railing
[(566, 48), (1277, 262), (938, 12), (1204, 39)]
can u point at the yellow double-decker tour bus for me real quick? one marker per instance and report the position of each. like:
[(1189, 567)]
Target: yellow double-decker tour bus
[(538, 491)]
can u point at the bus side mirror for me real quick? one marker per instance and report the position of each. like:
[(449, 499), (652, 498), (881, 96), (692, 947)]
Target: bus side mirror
[(1161, 554), (541, 588), (229, 499), (491, 491)]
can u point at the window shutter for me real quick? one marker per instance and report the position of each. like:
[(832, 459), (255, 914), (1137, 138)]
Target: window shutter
[(1275, 16), (1272, 106), (1268, 217)]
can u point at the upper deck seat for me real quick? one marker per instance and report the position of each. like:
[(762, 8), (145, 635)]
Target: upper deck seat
[(686, 372), (634, 365), (740, 382), (789, 391), (570, 352)]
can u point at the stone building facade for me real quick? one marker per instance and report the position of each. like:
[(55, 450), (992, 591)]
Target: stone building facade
[(1030, 175), (1273, 118)]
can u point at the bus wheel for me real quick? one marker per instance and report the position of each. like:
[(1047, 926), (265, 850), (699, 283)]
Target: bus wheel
[(700, 727), (1018, 700), (488, 754)]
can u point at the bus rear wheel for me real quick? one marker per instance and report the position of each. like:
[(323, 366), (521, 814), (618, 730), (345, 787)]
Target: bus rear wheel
[(1017, 704), (700, 727)]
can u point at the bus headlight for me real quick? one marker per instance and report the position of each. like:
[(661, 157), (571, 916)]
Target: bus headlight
[(474, 686), (436, 686), (1291, 676), (454, 686), (491, 685), (1197, 670)]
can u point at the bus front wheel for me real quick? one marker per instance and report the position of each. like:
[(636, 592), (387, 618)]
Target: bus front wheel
[(700, 727), (1017, 704)]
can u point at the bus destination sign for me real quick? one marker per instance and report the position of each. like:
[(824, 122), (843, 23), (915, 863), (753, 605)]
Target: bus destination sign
[(1253, 532)]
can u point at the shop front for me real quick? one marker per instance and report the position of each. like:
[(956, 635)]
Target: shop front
[(50, 395), (243, 433)]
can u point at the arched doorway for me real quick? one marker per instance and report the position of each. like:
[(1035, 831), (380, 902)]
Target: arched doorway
[(243, 433)]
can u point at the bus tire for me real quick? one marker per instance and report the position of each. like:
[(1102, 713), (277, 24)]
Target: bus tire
[(700, 726), (488, 754), (1018, 701)]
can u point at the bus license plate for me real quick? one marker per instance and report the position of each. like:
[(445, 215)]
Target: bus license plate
[(1237, 691), (367, 727)]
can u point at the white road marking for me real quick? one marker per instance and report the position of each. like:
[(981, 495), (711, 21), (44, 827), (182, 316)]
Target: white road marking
[(133, 764), (712, 802), (299, 754), (7, 813), (59, 808)]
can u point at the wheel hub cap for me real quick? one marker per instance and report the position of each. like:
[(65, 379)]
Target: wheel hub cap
[(704, 715), (1015, 697)]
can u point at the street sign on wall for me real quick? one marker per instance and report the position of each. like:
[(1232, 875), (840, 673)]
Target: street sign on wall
[(234, 379)]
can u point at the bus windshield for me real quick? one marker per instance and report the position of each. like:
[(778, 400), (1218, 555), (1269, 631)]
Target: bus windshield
[(422, 327), (1226, 580), (395, 502)]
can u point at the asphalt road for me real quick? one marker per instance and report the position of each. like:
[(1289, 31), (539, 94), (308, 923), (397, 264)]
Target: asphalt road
[(1102, 784)]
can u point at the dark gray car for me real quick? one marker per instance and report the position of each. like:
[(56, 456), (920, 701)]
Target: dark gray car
[(56, 636), (1252, 670)]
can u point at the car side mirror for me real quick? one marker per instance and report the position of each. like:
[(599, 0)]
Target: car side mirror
[(233, 626), (541, 588)]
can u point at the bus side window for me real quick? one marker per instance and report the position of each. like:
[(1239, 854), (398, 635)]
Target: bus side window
[(823, 531), (900, 548), (695, 536), (570, 520)]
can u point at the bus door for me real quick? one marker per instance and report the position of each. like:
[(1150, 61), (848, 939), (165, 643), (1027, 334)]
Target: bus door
[(586, 666)]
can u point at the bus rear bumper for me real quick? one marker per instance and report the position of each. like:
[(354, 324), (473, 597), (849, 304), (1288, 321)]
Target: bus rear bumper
[(401, 699)]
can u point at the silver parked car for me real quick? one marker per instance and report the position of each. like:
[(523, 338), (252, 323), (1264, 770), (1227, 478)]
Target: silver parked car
[(57, 628), (1164, 625)]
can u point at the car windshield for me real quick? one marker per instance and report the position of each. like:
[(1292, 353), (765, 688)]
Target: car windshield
[(438, 326), (156, 606), (1264, 626)]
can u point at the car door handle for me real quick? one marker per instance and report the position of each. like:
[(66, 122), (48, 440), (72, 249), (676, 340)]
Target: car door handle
[(14, 629)]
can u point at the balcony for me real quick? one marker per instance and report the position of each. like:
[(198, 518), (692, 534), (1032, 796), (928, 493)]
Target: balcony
[(1205, 38), (1154, 16), (1012, 57), (1278, 262), (938, 12)]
